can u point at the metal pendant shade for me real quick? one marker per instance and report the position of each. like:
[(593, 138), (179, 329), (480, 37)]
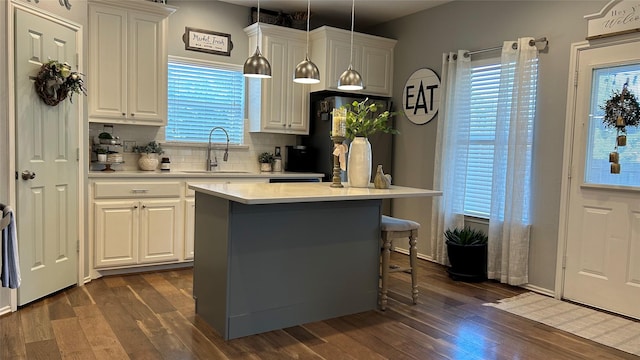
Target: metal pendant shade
[(306, 71), (257, 66), (351, 79)]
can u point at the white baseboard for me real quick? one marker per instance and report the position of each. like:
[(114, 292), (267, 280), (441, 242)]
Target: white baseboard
[(539, 290), (132, 270), (5, 310), (534, 288)]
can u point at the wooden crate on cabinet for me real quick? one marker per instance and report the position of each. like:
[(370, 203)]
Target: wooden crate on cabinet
[(128, 62), (278, 105), (372, 58)]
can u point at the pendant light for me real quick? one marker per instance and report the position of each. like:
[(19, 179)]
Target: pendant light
[(257, 66), (306, 71), (351, 79)]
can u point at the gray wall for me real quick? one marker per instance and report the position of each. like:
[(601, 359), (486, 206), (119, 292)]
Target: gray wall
[(472, 25), (209, 15)]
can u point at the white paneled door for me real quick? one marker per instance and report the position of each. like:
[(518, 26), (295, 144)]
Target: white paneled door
[(602, 259), (46, 162)]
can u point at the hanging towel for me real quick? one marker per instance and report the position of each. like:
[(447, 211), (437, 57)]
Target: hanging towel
[(10, 275)]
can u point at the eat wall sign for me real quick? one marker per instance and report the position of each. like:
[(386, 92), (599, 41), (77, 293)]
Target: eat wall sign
[(421, 96)]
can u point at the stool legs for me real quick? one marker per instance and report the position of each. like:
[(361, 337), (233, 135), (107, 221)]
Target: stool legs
[(413, 262), (387, 237), (386, 254)]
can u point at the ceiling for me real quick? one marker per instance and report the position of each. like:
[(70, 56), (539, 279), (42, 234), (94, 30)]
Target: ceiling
[(367, 12)]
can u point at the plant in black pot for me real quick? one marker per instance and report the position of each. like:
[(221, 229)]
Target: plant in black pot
[(467, 249)]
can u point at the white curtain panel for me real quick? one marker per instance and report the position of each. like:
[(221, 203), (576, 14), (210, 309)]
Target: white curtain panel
[(451, 161), (509, 225)]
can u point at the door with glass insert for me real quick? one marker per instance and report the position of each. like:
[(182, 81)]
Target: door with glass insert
[(602, 257)]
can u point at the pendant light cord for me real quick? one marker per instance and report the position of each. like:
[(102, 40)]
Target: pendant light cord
[(258, 39), (353, 7), (308, 16)]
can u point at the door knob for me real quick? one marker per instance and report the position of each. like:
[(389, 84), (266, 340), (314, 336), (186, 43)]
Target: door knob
[(28, 175)]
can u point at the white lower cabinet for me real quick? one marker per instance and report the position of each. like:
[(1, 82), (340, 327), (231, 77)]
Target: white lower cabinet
[(130, 232), (160, 231), (137, 223), (189, 227), (116, 233)]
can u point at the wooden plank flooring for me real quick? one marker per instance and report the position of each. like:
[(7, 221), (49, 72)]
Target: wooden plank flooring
[(152, 316)]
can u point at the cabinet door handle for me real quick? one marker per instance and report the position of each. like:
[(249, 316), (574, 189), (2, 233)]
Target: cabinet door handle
[(132, 114), (137, 191), (144, 206), (123, 114), (135, 206)]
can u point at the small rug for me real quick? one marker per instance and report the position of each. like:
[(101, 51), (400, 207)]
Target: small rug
[(598, 326)]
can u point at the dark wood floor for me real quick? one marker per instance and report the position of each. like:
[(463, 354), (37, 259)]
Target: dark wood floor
[(151, 316)]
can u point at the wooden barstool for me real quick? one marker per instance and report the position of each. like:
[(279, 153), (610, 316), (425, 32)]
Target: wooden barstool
[(394, 228)]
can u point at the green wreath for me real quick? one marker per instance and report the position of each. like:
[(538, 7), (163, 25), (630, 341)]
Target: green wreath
[(622, 104), (55, 81)]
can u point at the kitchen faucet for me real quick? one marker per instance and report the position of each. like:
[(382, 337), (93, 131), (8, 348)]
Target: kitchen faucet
[(214, 163)]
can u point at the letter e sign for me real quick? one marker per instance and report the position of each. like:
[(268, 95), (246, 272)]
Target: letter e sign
[(421, 96)]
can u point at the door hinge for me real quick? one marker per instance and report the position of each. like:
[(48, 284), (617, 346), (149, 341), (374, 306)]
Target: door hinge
[(575, 79), (78, 246), (564, 262)]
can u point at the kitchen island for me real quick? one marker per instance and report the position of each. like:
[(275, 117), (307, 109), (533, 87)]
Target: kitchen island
[(270, 256)]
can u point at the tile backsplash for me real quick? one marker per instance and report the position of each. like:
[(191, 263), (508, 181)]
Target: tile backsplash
[(190, 157)]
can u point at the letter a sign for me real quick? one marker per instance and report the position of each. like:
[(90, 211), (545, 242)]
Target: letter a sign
[(421, 96)]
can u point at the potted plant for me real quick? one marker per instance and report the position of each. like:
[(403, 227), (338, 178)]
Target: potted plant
[(148, 160), (102, 154), (266, 160), (360, 124), (467, 250)]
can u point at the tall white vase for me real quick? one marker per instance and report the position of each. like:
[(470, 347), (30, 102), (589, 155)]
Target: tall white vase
[(359, 162)]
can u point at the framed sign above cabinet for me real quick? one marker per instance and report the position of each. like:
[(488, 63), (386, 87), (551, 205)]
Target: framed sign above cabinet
[(208, 41)]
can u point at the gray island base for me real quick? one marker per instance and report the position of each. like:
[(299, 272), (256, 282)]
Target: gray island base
[(265, 260)]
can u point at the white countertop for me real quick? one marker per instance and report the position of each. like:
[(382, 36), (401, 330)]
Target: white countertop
[(276, 193), (202, 174)]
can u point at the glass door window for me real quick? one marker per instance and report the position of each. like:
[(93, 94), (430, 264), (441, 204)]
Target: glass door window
[(602, 140)]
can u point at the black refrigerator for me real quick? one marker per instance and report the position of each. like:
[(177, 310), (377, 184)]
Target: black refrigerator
[(319, 138)]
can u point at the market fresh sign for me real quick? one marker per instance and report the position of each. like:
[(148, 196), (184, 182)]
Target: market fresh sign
[(421, 96)]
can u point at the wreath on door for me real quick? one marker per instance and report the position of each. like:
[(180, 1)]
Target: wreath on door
[(620, 111), (55, 82)]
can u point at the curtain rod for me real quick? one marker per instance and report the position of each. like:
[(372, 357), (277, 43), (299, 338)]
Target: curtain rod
[(542, 40)]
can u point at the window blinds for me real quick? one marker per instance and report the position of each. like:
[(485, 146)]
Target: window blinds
[(485, 84), (201, 96)]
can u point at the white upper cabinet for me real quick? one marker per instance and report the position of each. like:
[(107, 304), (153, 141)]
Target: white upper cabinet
[(372, 58), (128, 62), (278, 105)]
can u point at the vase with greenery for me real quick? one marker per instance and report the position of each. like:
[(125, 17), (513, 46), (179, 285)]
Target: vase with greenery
[(467, 251), (362, 122), (266, 161), (149, 153), (101, 154)]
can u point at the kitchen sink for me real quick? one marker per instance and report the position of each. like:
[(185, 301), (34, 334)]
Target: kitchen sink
[(214, 172)]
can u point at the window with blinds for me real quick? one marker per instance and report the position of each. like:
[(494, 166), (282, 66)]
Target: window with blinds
[(485, 84), (202, 95)]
